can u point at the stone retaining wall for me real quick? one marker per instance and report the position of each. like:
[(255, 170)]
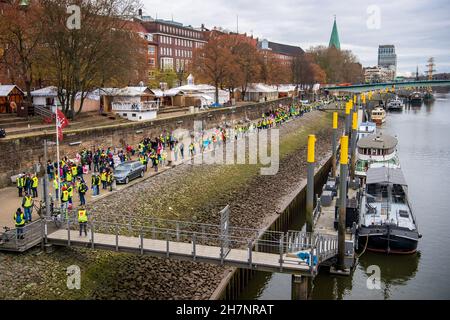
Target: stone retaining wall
[(21, 154)]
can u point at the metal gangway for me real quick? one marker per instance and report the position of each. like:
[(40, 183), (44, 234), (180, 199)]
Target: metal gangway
[(221, 244)]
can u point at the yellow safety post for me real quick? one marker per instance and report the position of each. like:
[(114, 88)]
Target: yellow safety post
[(310, 184), (353, 146), (348, 107), (355, 121), (335, 120), (334, 143), (343, 202), (311, 148), (344, 150)]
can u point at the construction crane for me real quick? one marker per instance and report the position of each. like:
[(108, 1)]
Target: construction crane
[(431, 69)]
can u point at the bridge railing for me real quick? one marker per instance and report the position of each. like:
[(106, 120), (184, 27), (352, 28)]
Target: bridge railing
[(319, 247), (22, 239), (127, 226)]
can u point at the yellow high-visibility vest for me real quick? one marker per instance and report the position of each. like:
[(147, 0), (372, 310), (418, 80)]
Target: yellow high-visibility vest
[(70, 191), (103, 175), (28, 202), (20, 182), (82, 216), (65, 196), (35, 182), (56, 184), (22, 220), (74, 171), (69, 176)]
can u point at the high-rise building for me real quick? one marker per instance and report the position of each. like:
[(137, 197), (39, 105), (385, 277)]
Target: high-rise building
[(387, 58), (334, 40)]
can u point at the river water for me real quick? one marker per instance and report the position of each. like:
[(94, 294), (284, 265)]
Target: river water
[(424, 150)]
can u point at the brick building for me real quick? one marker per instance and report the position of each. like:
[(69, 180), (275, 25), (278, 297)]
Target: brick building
[(283, 52), (173, 43)]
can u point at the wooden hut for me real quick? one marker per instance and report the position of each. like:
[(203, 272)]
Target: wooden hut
[(11, 98)]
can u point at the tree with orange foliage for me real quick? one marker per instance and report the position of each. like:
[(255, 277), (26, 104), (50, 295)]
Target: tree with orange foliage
[(246, 60), (273, 71), (213, 62)]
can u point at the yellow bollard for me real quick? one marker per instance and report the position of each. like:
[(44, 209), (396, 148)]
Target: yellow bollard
[(311, 148), (355, 121), (348, 107), (344, 150), (335, 120)]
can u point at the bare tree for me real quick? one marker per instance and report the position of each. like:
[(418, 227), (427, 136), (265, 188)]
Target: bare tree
[(100, 51), (20, 36), (212, 62)]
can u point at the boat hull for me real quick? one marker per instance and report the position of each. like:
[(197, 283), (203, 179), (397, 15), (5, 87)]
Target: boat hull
[(379, 122), (390, 240), (395, 108)]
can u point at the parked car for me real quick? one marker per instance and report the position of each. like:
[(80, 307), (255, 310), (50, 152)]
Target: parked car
[(128, 171)]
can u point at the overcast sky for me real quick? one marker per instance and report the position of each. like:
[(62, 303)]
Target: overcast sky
[(419, 29)]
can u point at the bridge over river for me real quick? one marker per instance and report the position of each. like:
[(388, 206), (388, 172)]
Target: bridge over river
[(359, 88)]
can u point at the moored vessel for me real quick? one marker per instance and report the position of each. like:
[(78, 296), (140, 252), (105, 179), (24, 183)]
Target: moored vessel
[(378, 116), (416, 97), (387, 223), (395, 105)]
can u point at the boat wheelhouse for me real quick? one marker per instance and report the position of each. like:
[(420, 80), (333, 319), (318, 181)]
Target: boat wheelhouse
[(376, 150), (378, 116)]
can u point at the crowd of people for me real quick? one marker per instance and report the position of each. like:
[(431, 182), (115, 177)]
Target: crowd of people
[(163, 150)]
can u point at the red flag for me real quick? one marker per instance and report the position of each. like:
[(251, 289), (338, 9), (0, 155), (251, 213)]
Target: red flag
[(61, 123)]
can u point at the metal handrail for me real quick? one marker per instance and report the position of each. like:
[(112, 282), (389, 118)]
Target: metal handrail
[(21, 239), (281, 246)]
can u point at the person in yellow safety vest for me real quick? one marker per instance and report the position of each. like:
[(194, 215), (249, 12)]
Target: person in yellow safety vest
[(56, 187), (74, 171), (19, 220), (104, 179), (69, 176), (109, 180), (27, 204), (143, 160), (83, 220), (64, 198), (20, 185), (70, 191), (34, 186)]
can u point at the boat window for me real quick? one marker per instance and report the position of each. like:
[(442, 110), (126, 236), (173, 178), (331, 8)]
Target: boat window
[(403, 214)]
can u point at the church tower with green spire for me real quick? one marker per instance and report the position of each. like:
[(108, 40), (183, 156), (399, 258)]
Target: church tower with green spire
[(334, 40)]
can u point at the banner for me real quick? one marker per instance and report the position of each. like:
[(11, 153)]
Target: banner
[(61, 123)]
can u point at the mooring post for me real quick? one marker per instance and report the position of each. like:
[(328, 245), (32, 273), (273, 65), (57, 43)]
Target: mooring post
[(353, 146), (348, 109), (334, 143), (343, 204), (299, 287), (310, 184)]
